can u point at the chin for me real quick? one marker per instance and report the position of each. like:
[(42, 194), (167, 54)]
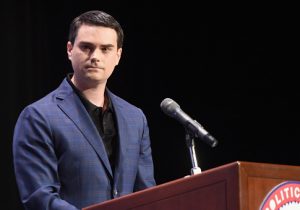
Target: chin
[(96, 79)]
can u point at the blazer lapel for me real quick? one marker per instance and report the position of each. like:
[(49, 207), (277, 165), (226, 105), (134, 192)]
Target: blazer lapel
[(121, 122), (71, 105)]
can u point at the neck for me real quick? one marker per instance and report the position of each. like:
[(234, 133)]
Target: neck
[(93, 93)]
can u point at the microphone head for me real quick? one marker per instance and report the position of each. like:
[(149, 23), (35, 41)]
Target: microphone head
[(169, 106)]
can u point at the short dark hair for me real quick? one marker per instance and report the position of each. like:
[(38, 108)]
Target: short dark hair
[(97, 18)]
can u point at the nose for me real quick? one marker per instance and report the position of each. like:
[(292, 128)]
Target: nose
[(96, 55)]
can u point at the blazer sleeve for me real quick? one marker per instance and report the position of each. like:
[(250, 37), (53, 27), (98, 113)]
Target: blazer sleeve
[(35, 163), (145, 173)]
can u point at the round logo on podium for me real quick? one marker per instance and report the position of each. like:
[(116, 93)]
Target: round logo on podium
[(285, 196)]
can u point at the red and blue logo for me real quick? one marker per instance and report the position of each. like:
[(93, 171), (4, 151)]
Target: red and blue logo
[(285, 196)]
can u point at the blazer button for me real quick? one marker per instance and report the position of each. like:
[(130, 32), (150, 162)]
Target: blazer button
[(115, 192)]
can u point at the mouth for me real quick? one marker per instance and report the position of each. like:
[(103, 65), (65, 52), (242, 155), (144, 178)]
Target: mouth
[(94, 68)]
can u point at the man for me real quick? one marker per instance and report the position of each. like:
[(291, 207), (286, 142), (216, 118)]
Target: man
[(81, 144)]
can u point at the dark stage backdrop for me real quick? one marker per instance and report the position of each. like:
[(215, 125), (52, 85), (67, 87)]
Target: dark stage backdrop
[(231, 67)]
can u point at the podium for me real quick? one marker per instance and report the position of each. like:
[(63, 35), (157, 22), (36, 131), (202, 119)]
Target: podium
[(238, 185)]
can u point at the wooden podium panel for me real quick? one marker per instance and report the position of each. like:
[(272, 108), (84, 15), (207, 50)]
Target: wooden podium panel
[(214, 189), (257, 179), (234, 186)]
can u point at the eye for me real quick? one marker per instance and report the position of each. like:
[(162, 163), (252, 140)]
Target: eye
[(106, 49), (85, 47)]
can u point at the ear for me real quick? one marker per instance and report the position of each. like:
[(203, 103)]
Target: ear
[(119, 53), (69, 49)]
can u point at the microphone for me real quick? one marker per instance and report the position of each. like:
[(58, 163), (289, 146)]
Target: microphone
[(172, 109)]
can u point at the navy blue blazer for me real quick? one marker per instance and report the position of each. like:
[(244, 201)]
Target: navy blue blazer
[(59, 158)]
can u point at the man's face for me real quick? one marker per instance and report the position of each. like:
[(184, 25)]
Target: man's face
[(94, 54)]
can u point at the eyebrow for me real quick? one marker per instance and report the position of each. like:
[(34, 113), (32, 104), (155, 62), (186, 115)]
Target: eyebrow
[(89, 43)]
